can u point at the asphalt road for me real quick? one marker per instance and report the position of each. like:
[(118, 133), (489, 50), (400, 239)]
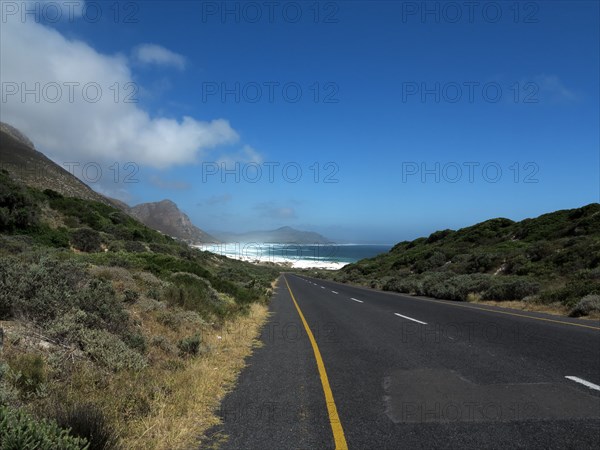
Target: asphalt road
[(387, 371)]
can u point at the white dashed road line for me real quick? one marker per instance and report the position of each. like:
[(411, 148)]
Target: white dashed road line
[(584, 382), (410, 318)]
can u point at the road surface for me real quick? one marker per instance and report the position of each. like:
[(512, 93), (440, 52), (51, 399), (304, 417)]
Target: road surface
[(387, 371)]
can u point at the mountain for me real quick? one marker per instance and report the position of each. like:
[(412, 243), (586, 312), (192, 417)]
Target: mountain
[(167, 218), (550, 259), (32, 168), (283, 235)]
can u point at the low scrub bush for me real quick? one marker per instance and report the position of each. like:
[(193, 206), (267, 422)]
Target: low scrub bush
[(447, 286), (52, 237), (572, 292), (164, 344), (8, 393), (585, 306), (130, 296), (29, 372), (18, 209), (169, 318), (48, 289), (511, 289), (189, 346), (39, 290), (88, 423), (191, 292), (111, 352), (134, 247), (86, 240), (135, 341), (20, 431)]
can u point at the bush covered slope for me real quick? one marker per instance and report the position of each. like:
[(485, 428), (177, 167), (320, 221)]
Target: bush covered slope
[(99, 311), (552, 258)]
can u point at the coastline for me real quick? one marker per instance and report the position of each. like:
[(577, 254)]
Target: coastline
[(257, 257)]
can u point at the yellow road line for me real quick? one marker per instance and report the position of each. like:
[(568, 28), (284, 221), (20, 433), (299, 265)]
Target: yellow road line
[(334, 420)]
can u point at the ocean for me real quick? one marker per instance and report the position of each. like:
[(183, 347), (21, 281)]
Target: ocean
[(323, 256)]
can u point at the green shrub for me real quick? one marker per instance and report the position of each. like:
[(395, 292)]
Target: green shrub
[(90, 213), (511, 289), (39, 290), (519, 265), (103, 307), (194, 293), (134, 247), (136, 341), (86, 240), (116, 246), (110, 351), (163, 248), (130, 296), (30, 370), (47, 289), (153, 293), (189, 346), (68, 327), (52, 237), (13, 245), (438, 235), (483, 263), (8, 393), (588, 304), (572, 292), (164, 344), (18, 210), (20, 431), (408, 285), (169, 318)]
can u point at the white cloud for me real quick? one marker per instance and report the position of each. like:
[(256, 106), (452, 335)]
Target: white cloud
[(246, 155), (156, 54), (83, 126), (551, 88)]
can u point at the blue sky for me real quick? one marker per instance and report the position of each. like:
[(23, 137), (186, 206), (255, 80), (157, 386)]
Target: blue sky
[(409, 120)]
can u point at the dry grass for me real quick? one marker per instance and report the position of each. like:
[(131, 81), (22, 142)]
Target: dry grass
[(184, 406), (553, 308), (171, 403)]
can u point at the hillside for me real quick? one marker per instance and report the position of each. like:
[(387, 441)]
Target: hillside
[(32, 168), (283, 235), (111, 328), (554, 258)]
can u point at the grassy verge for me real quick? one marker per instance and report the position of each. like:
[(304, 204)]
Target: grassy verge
[(194, 392), (115, 336), (166, 403)]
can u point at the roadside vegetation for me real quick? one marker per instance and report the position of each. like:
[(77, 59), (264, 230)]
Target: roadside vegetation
[(550, 262), (114, 335)]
